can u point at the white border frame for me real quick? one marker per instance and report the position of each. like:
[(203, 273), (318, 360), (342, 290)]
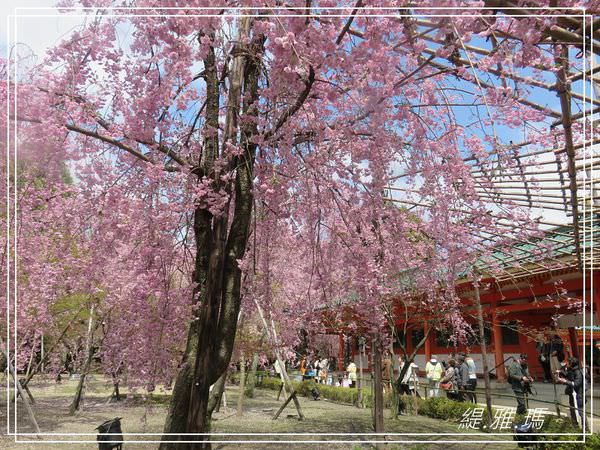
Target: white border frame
[(15, 16)]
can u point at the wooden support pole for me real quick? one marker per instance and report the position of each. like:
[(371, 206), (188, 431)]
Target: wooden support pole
[(273, 337), (361, 355), (282, 407), (564, 90), (486, 373), (13, 374)]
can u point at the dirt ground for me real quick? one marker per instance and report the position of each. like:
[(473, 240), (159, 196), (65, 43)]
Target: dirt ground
[(147, 415)]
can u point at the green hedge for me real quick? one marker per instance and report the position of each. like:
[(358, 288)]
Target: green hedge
[(439, 408), (554, 424), (333, 393), (442, 408)]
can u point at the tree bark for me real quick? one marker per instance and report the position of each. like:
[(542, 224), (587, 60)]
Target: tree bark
[(377, 388), (359, 381), (220, 244), (86, 367)]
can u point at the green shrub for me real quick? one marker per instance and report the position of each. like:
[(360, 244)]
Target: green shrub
[(553, 424), (443, 408), (271, 383)]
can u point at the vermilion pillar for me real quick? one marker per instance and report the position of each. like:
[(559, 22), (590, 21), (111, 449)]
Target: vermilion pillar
[(498, 349), (574, 343), (427, 341)]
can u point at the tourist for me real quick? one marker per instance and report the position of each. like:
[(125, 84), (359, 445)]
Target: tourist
[(386, 372), (462, 372), (434, 372), (323, 367), (472, 383), (543, 348), (574, 378), (518, 377), (351, 369), (303, 367), (346, 380), (448, 383), (409, 382), (557, 353), (310, 370)]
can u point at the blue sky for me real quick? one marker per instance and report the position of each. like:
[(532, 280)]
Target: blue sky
[(36, 34)]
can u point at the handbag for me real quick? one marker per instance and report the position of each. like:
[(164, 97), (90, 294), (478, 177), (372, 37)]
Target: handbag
[(446, 386)]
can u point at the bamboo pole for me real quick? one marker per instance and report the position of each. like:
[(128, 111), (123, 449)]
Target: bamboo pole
[(286, 377), (13, 373), (565, 104)]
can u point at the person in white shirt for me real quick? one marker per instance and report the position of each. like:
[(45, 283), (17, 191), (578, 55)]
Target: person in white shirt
[(323, 366), (472, 384), (409, 383), (434, 372), (351, 369)]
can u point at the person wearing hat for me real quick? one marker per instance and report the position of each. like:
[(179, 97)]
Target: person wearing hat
[(573, 377), (433, 372), (518, 377)]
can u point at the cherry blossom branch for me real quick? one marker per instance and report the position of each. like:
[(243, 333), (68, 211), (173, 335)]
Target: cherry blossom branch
[(117, 144), (292, 109), (348, 24)]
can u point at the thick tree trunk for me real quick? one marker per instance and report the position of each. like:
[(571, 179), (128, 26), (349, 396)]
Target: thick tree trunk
[(220, 244)]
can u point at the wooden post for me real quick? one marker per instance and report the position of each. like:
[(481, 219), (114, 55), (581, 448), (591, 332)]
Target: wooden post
[(359, 381), (13, 373), (271, 334), (486, 373)]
